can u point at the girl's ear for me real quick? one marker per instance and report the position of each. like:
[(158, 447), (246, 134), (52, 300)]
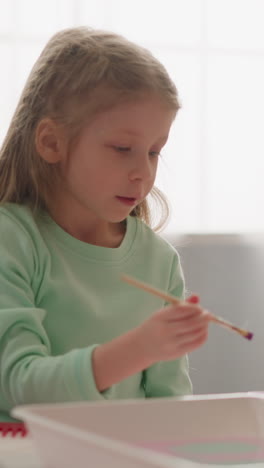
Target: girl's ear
[(49, 141)]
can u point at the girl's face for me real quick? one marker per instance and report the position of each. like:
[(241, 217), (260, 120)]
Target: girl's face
[(113, 164)]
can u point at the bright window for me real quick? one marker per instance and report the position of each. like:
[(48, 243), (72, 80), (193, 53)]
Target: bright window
[(212, 169)]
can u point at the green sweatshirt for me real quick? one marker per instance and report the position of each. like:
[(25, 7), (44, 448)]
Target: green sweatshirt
[(60, 298)]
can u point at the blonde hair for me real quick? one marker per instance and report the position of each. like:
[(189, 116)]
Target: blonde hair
[(77, 66)]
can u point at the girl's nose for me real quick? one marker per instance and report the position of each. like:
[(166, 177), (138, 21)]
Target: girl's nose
[(142, 169)]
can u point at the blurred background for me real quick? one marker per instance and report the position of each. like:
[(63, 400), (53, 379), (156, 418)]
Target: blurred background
[(212, 168)]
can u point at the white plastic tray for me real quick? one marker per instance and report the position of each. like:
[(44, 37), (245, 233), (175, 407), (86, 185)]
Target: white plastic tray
[(207, 430)]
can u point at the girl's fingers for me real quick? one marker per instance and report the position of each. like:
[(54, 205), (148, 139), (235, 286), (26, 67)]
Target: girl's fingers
[(183, 344), (189, 343), (191, 328), (181, 312)]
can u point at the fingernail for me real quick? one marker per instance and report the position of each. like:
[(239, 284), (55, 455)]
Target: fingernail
[(193, 299)]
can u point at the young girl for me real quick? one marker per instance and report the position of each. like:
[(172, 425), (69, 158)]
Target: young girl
[(78, 161)]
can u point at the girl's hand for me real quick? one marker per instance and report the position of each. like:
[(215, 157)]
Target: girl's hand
[(174, 331)]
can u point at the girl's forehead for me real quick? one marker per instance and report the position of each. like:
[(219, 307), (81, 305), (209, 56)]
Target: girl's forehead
[(145, 118), (151, 108)]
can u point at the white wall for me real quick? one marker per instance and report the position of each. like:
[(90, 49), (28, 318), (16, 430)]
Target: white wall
[(227, 271)]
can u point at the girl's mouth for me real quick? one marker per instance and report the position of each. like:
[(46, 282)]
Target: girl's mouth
[(130, 201)]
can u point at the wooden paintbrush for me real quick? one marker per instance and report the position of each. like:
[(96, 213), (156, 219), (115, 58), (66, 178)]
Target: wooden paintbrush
[(174, 300)]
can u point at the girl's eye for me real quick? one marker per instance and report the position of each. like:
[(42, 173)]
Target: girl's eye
[(127, 149), (122, 149), (154, 154)]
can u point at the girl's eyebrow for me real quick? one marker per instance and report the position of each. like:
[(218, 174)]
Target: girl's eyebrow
[(138, 134), (129, 132)]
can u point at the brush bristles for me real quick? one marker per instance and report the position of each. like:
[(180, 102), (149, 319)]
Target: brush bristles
[(249, 335)]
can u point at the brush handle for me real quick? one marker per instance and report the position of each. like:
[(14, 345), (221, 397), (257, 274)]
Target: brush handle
[(146, 287), (174, 300), (229, 325)]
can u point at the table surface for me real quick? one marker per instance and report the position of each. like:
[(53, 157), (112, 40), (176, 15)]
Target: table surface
[(21, 453), (18, 453)]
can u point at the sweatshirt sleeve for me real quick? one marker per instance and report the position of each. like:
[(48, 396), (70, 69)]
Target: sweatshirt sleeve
[(28, 371), (170, 378)]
